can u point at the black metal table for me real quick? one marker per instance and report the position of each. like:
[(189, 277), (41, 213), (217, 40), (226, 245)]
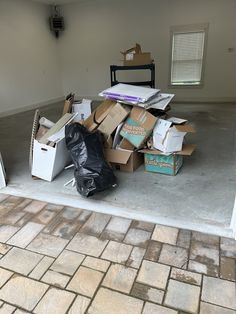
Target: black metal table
[(151, 67)]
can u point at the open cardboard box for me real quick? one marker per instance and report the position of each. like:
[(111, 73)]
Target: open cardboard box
[(115, 116), (107, 118), (124, 160), (168, 137), (82, 108), (98, 115), (135, 56), (49, 160), (67, 108), (124, 157), (156, 161), (139, 59)]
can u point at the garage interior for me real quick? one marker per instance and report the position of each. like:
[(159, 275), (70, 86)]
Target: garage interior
[(38, 70)]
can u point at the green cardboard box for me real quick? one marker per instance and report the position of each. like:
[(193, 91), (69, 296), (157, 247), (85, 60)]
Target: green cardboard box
[(156, 161), (163, 164), (138, 126)]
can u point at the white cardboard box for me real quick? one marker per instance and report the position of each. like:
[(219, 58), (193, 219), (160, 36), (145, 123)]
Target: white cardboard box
[(83, 110), (2, 174), (169, 138), (49, 161)]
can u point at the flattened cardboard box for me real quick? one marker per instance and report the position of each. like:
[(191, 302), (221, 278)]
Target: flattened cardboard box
[(115, 116), (156, 161), (138, 126), (98, 115), (68, 103), (124, 160)]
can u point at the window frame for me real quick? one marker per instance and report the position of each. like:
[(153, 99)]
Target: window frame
[(193, 28)]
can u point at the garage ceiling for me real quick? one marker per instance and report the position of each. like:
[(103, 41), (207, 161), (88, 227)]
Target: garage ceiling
[(53, 2)]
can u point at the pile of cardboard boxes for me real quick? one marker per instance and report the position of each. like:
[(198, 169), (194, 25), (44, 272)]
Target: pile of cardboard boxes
[(133, 132), (128, 128)]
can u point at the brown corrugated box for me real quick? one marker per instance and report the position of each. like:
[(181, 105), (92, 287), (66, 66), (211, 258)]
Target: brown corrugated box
[(115, 116), (68, 103), (138, 126), (135, 56), (139, 59), (157, 162), (124, 160), (98, 115)]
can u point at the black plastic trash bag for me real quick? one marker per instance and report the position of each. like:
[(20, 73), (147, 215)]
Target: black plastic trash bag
[(92, 173)]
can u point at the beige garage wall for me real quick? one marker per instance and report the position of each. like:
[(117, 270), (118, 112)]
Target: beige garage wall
[(29, 68), (97, 30), (35, 68)]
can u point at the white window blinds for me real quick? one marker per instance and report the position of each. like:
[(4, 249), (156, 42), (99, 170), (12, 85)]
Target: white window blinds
[(187, 58)]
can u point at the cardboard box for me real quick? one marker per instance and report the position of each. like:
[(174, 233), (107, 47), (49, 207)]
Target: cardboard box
[(121, 154), (2, 174), (49, 161), (98, 115), (68, 103), (83, 109), (168, 138), (163, 164), (135, 49), (124, 160), (155, 161), (124, 144), (107, 143), (138, 126), (135, 56), (115, 116), (50, 154), (139, 59)]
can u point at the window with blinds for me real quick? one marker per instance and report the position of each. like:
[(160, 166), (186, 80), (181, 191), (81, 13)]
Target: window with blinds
[(187, 57)]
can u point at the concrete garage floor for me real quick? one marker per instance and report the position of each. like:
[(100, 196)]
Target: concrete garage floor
[(201, 197)]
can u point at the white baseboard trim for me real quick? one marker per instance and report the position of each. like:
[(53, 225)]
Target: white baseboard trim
[(233, 220), (189, 101), (30, 107), (206, 100)]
